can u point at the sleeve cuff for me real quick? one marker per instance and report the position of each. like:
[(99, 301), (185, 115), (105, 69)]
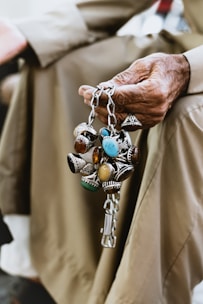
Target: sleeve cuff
[(53, 34), (195, 59)]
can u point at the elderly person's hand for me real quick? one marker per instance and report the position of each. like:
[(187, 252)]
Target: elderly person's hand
[(147, 89), (12, 41)]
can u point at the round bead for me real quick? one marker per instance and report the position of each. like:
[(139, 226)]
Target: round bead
[(110, 146), (104, 132), (82, 144), (105, 172)]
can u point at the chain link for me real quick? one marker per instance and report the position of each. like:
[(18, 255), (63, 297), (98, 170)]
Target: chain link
[(112, 121), (111, 206), (94, 103)]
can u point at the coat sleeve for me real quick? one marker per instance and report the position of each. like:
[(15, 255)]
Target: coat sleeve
[(73, 24), (195, 59)]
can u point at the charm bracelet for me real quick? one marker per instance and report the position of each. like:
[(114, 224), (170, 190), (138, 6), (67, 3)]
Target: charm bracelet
[(104, 159)]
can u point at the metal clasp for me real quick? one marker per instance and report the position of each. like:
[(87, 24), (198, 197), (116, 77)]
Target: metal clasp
[(109, 239)]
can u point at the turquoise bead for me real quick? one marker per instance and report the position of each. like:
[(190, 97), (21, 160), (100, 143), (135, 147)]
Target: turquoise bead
[(110, 147), (105, 132)]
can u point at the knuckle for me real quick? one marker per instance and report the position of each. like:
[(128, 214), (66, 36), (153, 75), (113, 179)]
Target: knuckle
[(123, 77), (162, 92), (119, 98)]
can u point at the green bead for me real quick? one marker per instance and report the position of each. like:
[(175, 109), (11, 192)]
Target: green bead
[(88, 186)]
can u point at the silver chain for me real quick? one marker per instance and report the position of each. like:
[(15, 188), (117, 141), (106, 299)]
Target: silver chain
[(94, 103), (112, 121)]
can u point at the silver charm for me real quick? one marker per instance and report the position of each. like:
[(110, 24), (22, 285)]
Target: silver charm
[(131, 121), (75, 162), (111, 206), (104, 159)]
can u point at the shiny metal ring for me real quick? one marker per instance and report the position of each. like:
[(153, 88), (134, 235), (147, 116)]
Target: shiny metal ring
[(131, 121)]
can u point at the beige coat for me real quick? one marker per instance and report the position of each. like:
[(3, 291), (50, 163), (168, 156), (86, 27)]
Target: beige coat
[(158, 256)]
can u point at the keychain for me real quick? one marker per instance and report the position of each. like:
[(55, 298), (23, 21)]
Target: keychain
[(104, 158)]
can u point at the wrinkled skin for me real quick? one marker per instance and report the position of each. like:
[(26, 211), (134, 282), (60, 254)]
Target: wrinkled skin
[(12, 41), (148, 88)]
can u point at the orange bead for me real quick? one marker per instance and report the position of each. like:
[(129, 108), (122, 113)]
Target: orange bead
[(96, 156)]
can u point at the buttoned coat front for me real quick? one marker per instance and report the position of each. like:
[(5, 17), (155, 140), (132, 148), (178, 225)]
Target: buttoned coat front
[(158, 256)]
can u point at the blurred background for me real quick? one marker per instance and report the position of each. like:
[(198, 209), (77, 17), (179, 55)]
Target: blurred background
[(22, 8), (151, 21)]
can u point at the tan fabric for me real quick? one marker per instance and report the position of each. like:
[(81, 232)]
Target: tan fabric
[(75, 23), (158, 255), (196, 62)]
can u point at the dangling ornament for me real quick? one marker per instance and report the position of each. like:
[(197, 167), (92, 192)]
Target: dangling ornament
[(104, 159)]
